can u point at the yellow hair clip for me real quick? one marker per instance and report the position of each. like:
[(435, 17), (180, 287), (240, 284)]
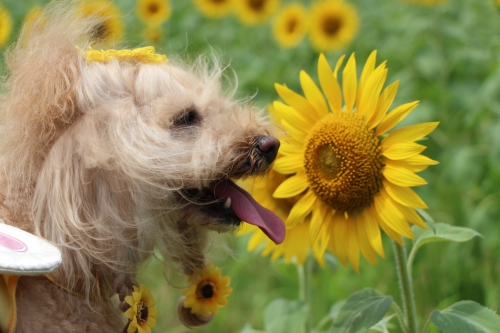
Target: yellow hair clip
[(143, 54)]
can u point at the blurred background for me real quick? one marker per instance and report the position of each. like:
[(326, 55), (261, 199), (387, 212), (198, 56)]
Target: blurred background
[(445, 54)]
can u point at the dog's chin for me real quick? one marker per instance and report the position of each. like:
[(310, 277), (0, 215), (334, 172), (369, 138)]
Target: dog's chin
[(210, 211)]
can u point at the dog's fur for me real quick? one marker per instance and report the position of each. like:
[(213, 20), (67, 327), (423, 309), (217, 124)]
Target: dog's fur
[(101, 159)]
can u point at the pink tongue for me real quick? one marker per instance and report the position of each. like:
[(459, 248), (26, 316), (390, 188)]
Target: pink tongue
[(249, 210)]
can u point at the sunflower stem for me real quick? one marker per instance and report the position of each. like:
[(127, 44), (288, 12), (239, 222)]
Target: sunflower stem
[(305, 291), (406, 287)]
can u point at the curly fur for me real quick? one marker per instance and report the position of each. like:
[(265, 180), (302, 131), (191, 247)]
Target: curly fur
[(95, 156)]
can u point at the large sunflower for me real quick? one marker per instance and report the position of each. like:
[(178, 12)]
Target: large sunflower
[(5, 25), (354, 178), (109, 26), (296, 243), (333, 24), (215, 8), (290, 25), (256, 11), (154, 12)]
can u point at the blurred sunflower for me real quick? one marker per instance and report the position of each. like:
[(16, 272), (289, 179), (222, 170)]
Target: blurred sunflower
[(354, 179), (5, 25), (207, 291), (255, 11), (153, 33), (154, 12), (215, 8), (109, 27), (142, 312), (333, 24), (290, 25), (296, 243)]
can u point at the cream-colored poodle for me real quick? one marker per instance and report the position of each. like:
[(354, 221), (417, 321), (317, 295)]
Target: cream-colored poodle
[(111, 156)]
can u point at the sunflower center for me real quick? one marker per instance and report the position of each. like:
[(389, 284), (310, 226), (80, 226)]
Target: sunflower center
[(153, 8), (291, 25), (256, 4), (343, 162), (331, 25), (205, 290), (142, 313)]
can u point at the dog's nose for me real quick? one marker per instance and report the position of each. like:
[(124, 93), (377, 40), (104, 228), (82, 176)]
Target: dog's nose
[(268, 146)]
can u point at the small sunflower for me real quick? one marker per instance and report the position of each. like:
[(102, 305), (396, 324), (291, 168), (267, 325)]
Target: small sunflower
[(154, 12), (290, 25), (215, 8), (5, 25), (153, 34), (256, 11), (207, 291), (333, 24), (142, 312), (296, 243), (109, 27), (354, 178)]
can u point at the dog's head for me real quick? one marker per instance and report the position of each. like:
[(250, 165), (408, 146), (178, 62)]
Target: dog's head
[(118, 157)]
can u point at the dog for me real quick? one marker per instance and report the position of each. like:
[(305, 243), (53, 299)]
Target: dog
[(112, 160)]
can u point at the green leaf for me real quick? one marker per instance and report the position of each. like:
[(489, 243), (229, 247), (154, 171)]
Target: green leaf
[(466, 317), (362, 310), (335, 309), (383, 325), (284, 316), (444, 233)]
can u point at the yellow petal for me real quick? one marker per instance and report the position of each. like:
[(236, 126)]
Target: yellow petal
[(372, 229), (292, 186), (256, 239), (151, 322), (292, 116), (402, 150), (129, 300), (421, 160), (391, 233), (130, 313), (339, 238), (320, 230), (289, 164), (402, 177), (364, 242), (365, 74), (290, 148), (313, 94), (298, 102), (349, 83), (384, 103), (371, 95), (353, 243), (153, 312), (297, 244), (409, 133), (404, 164), (329, 84), (297, 134), (388, 212), (404, 195), (394, 117), (337, 65), (301, 209), (412, 216)]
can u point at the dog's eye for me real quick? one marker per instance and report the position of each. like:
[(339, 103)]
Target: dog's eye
[(188, 117)]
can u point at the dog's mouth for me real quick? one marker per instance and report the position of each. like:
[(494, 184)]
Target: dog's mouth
[(232, 205)]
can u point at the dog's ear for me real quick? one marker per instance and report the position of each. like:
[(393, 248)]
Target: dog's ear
[(40, 93)]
